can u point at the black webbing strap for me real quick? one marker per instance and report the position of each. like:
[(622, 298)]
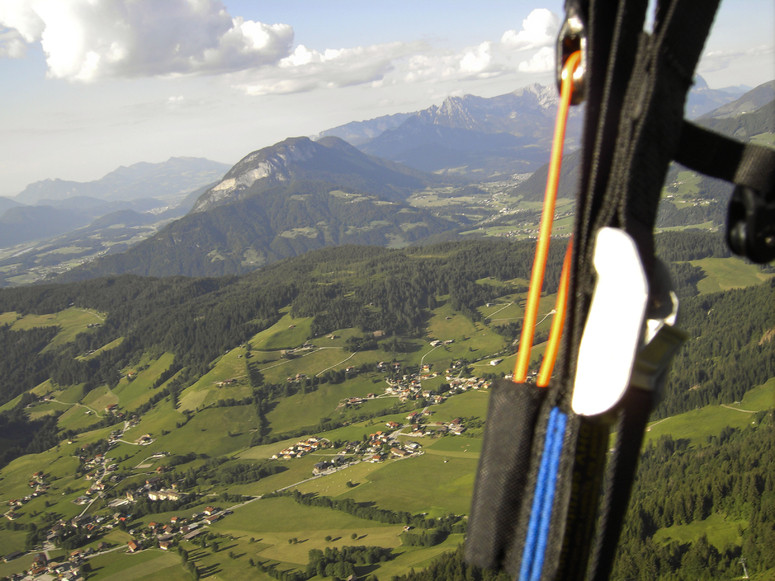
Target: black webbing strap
[(744, 164), (751, 167), (550, 500), (634, 137)]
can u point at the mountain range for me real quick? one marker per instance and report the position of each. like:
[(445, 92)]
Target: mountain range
[(282, 201), (50, 208), (751, 115), (168, 181), (328, 409), (483, 137), (469, 135), (301, 194)]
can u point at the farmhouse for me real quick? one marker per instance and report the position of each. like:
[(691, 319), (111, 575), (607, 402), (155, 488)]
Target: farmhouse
[(165, 494), (192, 534)]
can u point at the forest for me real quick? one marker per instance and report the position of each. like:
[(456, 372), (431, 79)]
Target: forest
[(677, 485), (730, 474), (370, 288), (394, 291)]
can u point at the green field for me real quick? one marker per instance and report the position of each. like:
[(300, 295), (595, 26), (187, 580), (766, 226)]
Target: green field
[(697, 425), (214, 431), (287, 333), (71, 322), (136, 386), (458, 446), (148, 564), (430, 483), (306, 409), (728, 273), (722, 533), (9, 318), (471, 403), (437, 482)]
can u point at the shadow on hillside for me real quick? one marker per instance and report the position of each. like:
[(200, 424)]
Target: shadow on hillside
[(209, 570)]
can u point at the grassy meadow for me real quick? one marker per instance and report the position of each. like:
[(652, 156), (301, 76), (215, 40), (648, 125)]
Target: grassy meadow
[(437, 482)]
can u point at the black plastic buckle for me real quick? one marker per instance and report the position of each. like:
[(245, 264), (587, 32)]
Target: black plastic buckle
[(751, 224)]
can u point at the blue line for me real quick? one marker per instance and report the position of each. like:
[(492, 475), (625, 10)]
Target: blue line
[(531, 536), (543, 499), (546, 511)]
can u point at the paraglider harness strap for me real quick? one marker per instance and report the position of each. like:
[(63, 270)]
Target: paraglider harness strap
[(751, 167), (550, 497)]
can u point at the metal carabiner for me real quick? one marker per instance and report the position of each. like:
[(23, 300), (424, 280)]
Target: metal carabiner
[(572, 38)]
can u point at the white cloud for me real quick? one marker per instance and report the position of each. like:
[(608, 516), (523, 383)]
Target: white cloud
[(491, 59), (85, 40), (12, 44), (539, 30), (307, 69), (541, 62), (714, 60), (19, 15), (478, 59)]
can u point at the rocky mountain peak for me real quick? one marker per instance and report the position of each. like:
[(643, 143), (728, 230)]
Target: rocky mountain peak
[(453, 112), (272, 164), (299, 159), (540, 95)]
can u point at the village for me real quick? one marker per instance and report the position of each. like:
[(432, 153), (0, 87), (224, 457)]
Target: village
[(408, 387), (160, 535), (73, 533), (101, 472)]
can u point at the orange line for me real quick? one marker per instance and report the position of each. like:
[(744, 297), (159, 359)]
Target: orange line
[(558, 322), (545, 233)]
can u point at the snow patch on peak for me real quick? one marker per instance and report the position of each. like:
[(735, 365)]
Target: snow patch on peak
[(545, 97)]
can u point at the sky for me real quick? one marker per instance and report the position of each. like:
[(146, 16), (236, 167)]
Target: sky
[(91, 85)]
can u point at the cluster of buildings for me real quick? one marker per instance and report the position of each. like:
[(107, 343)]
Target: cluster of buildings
[(68, 569), (386, 367), (99, 468), (113, 409), (164, 535), (39, 486), (116, 435), (380, 446), (155, 489), (355, 401), (456, 427), (377, 447), (302, 448), (85, 525), (460, 384)]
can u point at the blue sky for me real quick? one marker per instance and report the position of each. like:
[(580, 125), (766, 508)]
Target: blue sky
[(89, 86)]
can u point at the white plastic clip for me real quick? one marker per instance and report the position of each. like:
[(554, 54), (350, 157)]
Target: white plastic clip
[(614, 327), (620, 347)]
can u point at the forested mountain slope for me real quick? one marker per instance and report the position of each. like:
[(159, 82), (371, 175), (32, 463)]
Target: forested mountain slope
[(283, 201), (130, 385)]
